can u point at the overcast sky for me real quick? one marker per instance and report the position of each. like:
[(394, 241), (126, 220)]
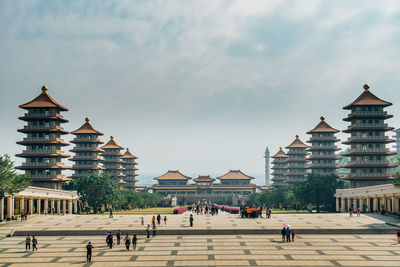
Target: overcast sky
[(199, 86)]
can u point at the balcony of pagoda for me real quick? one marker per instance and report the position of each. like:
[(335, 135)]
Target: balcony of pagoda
[(323, 139), (88, 167), (46, 165), (323, 165), (368, 139), (304, 152), (86, 158), (369, 163), (329, 148), (371, 151), (43, 116), (47, 176), (367, 114), (81, 139), (43, 128), (296, 160), (86, 149), (368, 127), (368, 175)]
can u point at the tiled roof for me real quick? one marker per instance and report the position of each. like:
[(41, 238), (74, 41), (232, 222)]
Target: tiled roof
[(43, 101), (367, 99), (235, 175), (87, 128), (128, 155), (204, 179), (173, 175), (280, 154), (297, 143), (323, 127), (111, 144), (397, 131)]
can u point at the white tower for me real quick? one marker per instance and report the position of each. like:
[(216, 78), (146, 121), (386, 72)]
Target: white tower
[(266, 156)]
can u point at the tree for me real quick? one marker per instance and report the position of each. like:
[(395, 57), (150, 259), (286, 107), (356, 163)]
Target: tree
[(97, 189), (11, 182), (396, 179)]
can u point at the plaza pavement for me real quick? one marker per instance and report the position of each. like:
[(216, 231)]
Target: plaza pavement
[(211, 250)]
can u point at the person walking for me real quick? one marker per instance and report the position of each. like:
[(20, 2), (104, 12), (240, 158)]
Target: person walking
[(127, 241), (154, 230), (118, 237), (288, 234), (27, 243), (351, 212), (153, 220), (398, 236), (191, 220), (283, 233), (358, 212), (134, 242), (89, 249), (148, 231), (158, 219), (293, 234), (111, 214), (34, 243), (165, 220), (108, 233), (110, 240), (142, 220)]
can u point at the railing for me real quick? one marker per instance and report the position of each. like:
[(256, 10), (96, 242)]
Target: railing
[(316, 147), (41, 114), (367, 137), (83, 139), (359, 112), (323, 164), (42, 164), (86, 157), (368, 174), (50, 126), (368, 125), (43, 151), (44, 139), (369, 162), (368, 150), (45, 175)]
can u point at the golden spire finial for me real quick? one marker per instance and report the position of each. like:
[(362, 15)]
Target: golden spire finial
[(87, 119), (280, 148), (366, 87), (112, 137), (297, 136), (322, 118), (44, 89), (127, 149)]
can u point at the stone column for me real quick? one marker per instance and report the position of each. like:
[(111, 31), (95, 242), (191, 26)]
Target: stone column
[(367, 204), (38, 205), (337, 204), (21, 205), (58, 206), (52, 206), (374, 203), (383, 203), (342, 204), (75, 206), (348, 203), (69, 206), (46, 205), (64, 206), (1, 209), (10, 208), (396, 204), (31, 206)]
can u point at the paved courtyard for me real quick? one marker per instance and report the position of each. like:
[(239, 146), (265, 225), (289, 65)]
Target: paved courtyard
[(222, 250), (222, 221)]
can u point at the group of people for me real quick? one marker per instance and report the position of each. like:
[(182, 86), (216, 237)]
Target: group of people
[(24, 216), (29, 241), (204, 209), (158, 218), (351, 212), (287, 234)]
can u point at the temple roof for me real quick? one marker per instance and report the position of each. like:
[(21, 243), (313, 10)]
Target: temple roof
[(111, 144), (367, 99), (43, 101), (323, 127), (297, 143), (205, 178), (173, 175), (397, 130), (235, 175), (128, 155), (87, 128), (280, 154)]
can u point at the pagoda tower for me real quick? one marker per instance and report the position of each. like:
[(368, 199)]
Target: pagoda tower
[(129, 162), (279, 169), (296, 162), (112, 160), (266, 156), (368, 153), (323, 150), (43, 141), (397, 137), (87, 152)]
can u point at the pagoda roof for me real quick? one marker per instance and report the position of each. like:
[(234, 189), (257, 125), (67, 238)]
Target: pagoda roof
[(367, 99), (111, 144), (323, 127), (280, 154), (297, 143), (87, 128), (128, 155), (205, 178), (235, 175), (43, 101), (173, 175), (397, 130)]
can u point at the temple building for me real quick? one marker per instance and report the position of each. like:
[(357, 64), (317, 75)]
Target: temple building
[(112, 160), (129, 165), (234, 187), (323, 149), (43, 142), (368, 152), (296, 162), (279, 169), (397, 137), (87, 152)]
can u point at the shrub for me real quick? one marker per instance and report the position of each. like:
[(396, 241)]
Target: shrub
[(180, 210)]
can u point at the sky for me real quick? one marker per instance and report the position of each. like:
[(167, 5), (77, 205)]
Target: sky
[(198, 86)]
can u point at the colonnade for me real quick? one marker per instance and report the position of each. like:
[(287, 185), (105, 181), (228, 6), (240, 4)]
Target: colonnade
[(34, 200)]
